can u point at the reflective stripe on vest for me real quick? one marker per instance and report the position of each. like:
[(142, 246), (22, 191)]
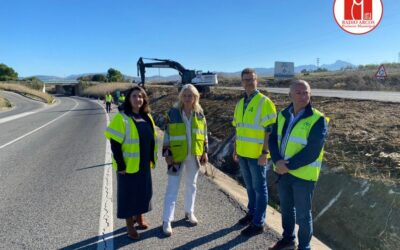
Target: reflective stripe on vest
[(116, 133), (298, 139), (130, 142), (177, 134), (249, 131)]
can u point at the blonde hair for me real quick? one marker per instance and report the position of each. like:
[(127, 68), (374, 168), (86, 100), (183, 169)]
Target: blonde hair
[(196, 105)]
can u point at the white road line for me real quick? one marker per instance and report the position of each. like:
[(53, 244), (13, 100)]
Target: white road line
[(13, 117), (106, 222), (37, 129)]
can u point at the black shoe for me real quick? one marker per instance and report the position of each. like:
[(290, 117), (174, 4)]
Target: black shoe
[(252, 230), (284, 245), (246, 220)]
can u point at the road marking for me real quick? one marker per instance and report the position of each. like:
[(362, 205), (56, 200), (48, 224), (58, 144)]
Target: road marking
[(37, 129), (13, 117), (106, 222)]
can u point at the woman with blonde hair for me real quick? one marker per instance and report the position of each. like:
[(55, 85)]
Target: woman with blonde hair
[(185, 148)]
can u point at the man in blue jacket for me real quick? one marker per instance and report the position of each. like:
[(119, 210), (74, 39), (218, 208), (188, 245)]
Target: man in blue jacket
[(296, 145)]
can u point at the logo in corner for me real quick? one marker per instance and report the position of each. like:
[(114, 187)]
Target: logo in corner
[(358, 16)]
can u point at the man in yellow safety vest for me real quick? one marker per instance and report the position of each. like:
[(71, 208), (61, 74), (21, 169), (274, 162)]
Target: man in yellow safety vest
[(296, 144), (108, 100), (121, 100), (253, 119)]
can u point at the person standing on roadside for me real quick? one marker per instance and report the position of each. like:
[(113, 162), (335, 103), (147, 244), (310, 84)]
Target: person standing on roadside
[(133, 139), (185, 147), (121, 100), (108, 100), (253, 119), (297, 147)]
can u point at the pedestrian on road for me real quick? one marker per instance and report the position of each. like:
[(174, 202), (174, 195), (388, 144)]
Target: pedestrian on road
[(108, 99), (296, 144), (253, 119), (134, 146), (121, 100), (185, 147)]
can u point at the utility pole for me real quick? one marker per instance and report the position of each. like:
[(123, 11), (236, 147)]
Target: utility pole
[(317, 62), (398, 59)]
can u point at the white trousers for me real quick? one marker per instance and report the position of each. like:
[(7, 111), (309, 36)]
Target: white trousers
[(190, 167)]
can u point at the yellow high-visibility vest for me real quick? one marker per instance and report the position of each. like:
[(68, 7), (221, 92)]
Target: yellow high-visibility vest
[(250, 125), (297, 140), (108, 98), (123, 130), (177, 134)]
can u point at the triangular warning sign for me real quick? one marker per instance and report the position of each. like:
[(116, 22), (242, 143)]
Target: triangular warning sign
[(381, 73)]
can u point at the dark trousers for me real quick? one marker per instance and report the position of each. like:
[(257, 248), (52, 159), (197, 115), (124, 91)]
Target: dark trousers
[(108, 107), (295, 201)]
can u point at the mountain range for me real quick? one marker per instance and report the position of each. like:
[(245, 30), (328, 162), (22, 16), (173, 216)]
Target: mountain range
[(338, 65)]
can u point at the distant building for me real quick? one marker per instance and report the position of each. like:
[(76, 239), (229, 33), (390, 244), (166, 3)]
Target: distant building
[(284, 70)]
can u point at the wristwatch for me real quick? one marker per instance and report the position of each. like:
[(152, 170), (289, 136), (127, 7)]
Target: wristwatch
[(265, 152)]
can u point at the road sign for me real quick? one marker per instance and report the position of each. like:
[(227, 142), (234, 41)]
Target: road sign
[(381, 73), (284, 70)]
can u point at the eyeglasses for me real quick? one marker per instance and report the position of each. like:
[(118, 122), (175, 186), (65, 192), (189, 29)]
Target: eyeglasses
[(248, 79)]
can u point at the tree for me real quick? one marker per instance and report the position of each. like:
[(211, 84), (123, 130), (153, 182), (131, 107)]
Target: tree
[(85, 78), (321, 70), (7, 73), (99, 78), (114, 75), (32, 79)]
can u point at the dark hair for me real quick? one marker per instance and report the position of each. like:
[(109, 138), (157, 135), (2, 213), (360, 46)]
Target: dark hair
[(145, 108), (248, 71)]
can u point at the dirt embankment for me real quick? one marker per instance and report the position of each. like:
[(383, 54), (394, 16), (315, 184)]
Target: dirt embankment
[(28, 92), (357, 198), (347, 80), (364, 136), (4, 103)]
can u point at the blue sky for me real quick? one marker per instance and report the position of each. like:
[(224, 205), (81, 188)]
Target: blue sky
[(63, 37)]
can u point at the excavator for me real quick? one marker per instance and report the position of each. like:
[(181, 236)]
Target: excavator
[(202, 81)]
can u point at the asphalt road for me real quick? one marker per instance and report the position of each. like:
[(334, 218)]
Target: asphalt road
[(51, 179), (20, 104), (51, 183), (383, 96)]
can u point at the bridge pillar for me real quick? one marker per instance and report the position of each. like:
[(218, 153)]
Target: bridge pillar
[(78, 89)]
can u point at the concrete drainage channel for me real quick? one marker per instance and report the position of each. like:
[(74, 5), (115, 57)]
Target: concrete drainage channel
[(349, 213)]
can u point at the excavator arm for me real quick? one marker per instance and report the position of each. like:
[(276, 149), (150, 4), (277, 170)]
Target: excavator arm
[(159, 63), (201, 81)]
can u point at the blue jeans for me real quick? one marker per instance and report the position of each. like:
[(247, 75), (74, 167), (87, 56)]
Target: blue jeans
[(255, 179), (295, 200)]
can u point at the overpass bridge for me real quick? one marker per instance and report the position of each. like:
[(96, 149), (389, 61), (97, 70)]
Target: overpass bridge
[(66, 87)]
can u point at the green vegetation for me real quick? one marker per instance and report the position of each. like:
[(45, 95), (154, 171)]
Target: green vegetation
[(114, 75), (27, 91), (94, 78), (7, 73), (99, 90), (33, 83)]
